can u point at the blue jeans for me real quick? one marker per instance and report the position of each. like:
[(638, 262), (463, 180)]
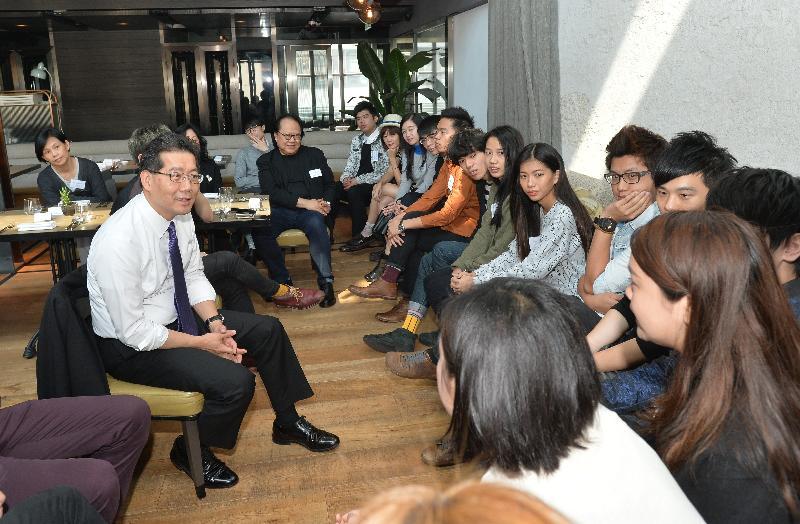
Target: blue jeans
[(442, 255), (309, 222), (633, 389)]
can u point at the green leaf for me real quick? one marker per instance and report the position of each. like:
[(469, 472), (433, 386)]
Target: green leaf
[(370, 65), (429, 93), (397, 75), (439, 87), (376, 100), (414, 85), (419, 60)]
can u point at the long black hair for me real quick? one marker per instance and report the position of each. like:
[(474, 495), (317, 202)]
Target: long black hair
[(512, 143), (181, 130), (409, 149), (539, 375), (526, 213)]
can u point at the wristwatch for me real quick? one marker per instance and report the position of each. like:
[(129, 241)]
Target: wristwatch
[(400, 227), (605, 224), (209, 320)]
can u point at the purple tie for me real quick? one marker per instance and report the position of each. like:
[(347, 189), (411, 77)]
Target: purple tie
[(186, 321)]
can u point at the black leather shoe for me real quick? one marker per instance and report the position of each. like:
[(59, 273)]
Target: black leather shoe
[(330, 296), (400, 339), (376, 272), (359, 243), (431, 338), (215, 473), (304, 433)]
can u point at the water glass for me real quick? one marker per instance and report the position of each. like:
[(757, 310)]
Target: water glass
[(265, 204), (82, 212), (226, 199), (32, 206)]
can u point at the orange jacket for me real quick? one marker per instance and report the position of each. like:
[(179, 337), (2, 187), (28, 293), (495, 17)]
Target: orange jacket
[(461, 210)]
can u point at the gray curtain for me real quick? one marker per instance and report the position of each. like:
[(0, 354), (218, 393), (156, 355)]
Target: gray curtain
[(523, 68)]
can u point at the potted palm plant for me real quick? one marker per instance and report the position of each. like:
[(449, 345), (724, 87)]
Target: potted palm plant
[(67, 205)]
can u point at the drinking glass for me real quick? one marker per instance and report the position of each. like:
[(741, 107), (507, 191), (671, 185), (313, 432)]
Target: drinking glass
[(265, 204), (226, 199), (81, 212), (32, 206)]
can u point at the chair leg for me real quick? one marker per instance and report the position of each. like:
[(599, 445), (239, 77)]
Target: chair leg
[(192, 439)]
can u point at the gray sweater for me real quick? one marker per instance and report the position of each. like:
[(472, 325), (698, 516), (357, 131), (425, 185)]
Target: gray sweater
[(246, 174)]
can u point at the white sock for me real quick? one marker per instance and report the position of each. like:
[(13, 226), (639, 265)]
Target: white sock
[(250, 242), (367, 231)]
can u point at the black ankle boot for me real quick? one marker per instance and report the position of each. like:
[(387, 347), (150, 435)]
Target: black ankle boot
[(330, 295), (376, 272)]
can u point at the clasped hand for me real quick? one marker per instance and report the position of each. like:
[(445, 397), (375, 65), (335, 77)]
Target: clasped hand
[(220, 342), (461, 281)]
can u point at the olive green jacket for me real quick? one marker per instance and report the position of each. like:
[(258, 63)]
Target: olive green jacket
[(489, 241)]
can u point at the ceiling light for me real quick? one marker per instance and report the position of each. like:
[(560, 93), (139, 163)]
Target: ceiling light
[(371, 13), (22, 26), (356, 5), (122, 24), (241, 21)]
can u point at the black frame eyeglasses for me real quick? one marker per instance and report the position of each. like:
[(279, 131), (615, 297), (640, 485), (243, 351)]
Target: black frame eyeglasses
[(291, 136), (629, 178), (193, 178)]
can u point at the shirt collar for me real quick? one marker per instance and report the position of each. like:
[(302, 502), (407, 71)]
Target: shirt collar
[(150, 217), (646, 216), (373, 137)]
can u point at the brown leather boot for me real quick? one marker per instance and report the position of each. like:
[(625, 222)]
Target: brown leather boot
[(440, 454), (411, 365), (396, 314), (378, 289)]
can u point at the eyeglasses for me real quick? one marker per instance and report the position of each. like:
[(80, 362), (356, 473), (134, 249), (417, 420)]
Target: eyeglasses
[(629, 178), (289, 136), (193, 178)]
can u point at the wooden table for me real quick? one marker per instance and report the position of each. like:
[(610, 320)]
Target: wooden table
[(61, 240)]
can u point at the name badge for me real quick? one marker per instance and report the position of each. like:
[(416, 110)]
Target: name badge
[(77, 184), (374, 153), (315, 173), (494, 208), (450, 182), (42, 217)]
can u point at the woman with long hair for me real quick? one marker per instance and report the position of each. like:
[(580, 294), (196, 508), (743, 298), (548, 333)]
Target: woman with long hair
[(728, 425), (80, 176), (212, 176), (516, 375), (552, 228)]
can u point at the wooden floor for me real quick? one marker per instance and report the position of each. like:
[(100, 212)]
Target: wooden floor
[(382, 420)]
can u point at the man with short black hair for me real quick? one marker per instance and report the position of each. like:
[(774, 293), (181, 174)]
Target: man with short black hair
[(366, 164), (148, 293), (300, 187)]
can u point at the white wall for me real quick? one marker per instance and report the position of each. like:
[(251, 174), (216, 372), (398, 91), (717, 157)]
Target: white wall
[(727, 67), (470, 58)]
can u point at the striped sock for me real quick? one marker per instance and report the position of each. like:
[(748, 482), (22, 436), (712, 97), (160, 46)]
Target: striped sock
[(417, 309), (282, 290), (411, 323)]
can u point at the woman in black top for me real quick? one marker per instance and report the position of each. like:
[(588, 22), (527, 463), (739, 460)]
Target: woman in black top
[(727, 426), (80, 176), (212, 176)]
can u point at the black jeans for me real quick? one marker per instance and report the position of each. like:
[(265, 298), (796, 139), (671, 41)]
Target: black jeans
[(416, 243), (232, 277), (227, 387), (359, 197)]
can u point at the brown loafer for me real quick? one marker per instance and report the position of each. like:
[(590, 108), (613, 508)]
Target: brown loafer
[(378, 289), (411, 365), (298, 298), (440, 454), (396, 314)]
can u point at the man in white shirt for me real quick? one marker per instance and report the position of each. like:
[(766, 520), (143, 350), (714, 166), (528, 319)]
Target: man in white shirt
[(147, 289)]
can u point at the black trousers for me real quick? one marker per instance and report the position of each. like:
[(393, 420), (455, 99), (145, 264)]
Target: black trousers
[(59, 505), (232, 277), (227, 387), (359, 197), (416, 243)]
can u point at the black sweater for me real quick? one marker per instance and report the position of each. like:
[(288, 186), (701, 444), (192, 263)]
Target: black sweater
[(50, 184), (303, 175)]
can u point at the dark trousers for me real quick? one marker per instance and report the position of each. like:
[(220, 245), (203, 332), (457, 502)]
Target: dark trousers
[(314, 226), (271, 254), (89, 443), (359, 197), (59, 505), (416, 243), (232, 277), (227, 387)]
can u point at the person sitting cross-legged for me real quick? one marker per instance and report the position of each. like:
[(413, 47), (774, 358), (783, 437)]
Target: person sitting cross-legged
[(147, 293), (300, 187)]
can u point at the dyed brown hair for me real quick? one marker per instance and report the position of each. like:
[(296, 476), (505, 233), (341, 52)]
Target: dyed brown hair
[(741, 355), (636, 141)]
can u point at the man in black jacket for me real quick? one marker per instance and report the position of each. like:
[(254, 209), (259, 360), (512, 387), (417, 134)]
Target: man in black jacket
[(300, 187)]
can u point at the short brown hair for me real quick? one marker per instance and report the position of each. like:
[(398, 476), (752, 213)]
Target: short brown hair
[(636, 141)]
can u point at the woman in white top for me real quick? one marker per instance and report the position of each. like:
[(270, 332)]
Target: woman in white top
[(521, 386), (552, 228)]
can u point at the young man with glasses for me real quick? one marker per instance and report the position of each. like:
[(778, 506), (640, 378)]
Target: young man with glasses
[(300, 187), (154, 313), (632, 154)]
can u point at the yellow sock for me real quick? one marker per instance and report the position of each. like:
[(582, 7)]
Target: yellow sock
[(282, 290), (411, 323)]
